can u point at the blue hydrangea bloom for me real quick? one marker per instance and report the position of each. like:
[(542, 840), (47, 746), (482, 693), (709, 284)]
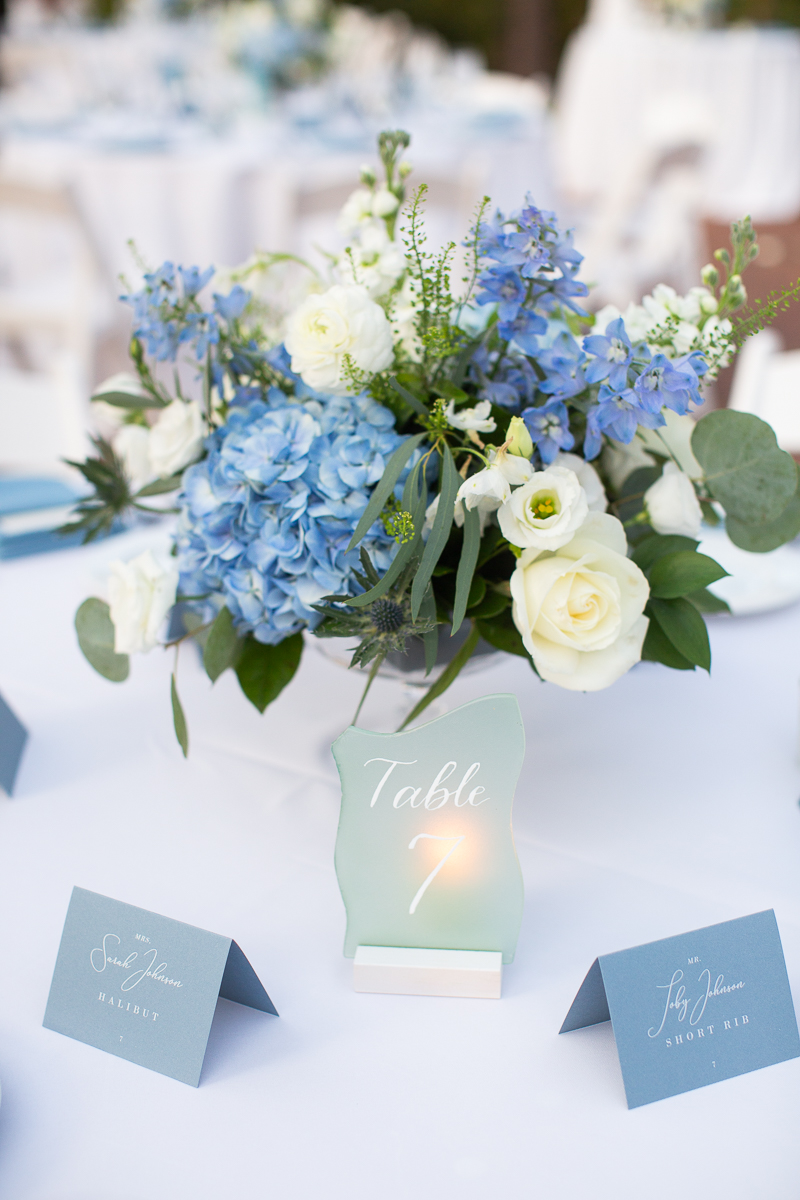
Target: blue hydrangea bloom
[(549, 429), (267, 516)]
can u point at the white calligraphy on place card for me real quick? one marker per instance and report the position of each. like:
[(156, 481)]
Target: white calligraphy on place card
[(136, 977)]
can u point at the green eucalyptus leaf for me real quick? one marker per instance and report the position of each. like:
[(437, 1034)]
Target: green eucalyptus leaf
[(409, 397), (179, 718), (760, 539), (744, 468), (685, 628), (466, 564), (477, 590), (686, 571), (384, 488), (442, 524), (223, 646), (427, 612), (415, 501), (264, 671), (95, 631)]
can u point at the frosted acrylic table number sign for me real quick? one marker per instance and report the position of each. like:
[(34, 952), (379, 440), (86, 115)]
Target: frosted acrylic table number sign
[(425, 853)]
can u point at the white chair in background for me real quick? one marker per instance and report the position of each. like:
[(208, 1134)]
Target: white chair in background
[(766, 382), (48, 316)]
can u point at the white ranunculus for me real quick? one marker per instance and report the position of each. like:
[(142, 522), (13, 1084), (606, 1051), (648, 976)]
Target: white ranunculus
[(580, 611), (546, 511), (588, 479), (326, 328), (177, 437), (131, 444), (672, 505), (141, 593), (478, 418)]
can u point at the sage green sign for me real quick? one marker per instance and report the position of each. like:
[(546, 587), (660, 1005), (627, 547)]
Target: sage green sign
[(425, 853)]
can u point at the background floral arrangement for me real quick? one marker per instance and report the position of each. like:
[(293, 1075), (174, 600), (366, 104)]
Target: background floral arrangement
[(412, 463)]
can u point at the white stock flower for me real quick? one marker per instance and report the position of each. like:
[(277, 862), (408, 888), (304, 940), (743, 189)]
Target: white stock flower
[(587, 478), (340, 322), (374, 261), (131, 444), (579, 611), (404, 311), (176, 439), (384, 203), (357, 209), (546, 511), (141, 593), (672, 505), (478, 418)]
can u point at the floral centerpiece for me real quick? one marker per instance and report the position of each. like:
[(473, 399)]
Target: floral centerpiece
[(413, 460)]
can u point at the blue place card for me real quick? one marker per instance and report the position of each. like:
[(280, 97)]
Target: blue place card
[(694, 1009), (13, 736), (144, 987)]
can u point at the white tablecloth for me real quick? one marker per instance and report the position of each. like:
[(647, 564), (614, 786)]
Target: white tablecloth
[(664, 804), (624, 88)]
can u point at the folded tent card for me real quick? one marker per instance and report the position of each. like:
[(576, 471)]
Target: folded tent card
[(425, 854), (145, 987), (691, 1010)]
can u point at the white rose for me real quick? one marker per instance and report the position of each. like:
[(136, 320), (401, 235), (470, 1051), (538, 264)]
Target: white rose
[(672, 505), (131, 444), (478, 418), (176, 439), (546, 511), (384, 203), (357, 208), (141, 593), (587, 478), (327, 327), (579, 611)]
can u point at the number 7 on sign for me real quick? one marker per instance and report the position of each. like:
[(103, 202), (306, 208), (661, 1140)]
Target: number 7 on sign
[(435, 837)]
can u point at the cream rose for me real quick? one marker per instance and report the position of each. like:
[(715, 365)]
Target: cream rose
[(672, 505), (326, 328), (579, 610), (176, 439), (141, 593), (546, 511)]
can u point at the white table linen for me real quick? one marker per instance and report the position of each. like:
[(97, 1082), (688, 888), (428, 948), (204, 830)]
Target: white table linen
[(664, 804)]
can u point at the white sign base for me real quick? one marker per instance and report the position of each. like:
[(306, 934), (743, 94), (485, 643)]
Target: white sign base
[(409, 971)]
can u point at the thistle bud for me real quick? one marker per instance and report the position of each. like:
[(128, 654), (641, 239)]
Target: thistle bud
[(518, 438), (710, 275)]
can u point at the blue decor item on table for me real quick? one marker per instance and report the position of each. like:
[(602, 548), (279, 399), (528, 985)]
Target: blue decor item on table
[(691, 1010), (13, 736), (31, 510), (145, 987), (425, 854)]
